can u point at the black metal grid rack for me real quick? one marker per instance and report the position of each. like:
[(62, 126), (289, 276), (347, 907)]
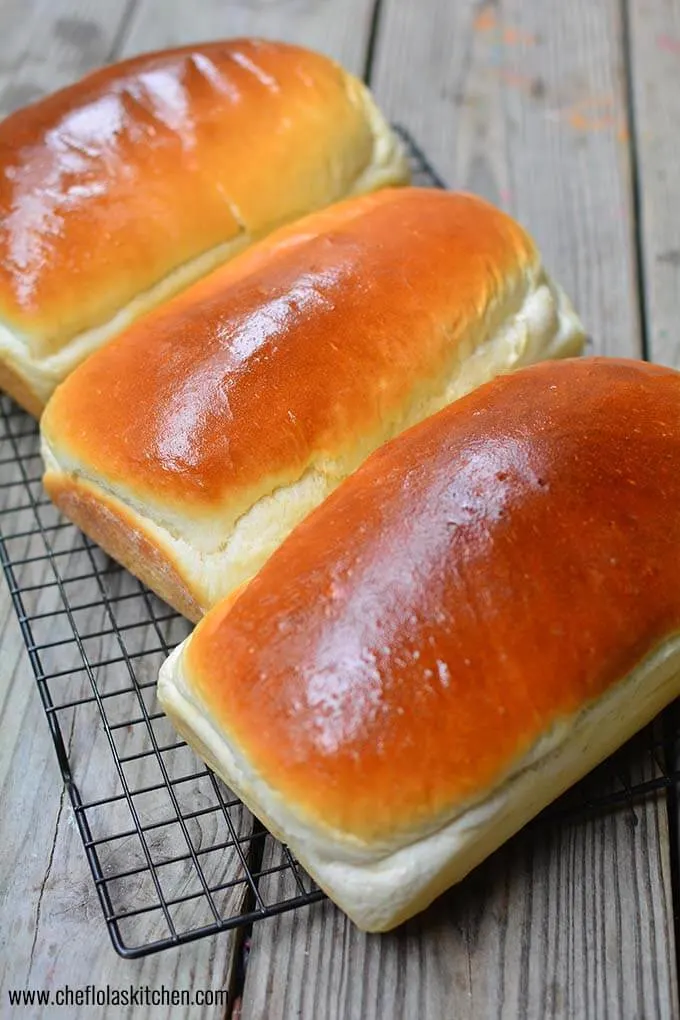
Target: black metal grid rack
[(174, 856)]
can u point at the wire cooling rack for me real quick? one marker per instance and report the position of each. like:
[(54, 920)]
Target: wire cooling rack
[(173, 854)]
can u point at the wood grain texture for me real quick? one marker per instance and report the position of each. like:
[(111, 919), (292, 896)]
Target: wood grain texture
[(45, 44), (52, 932), (51, 926), (567, 920), (525, 104), (339, 29), (654, 36)]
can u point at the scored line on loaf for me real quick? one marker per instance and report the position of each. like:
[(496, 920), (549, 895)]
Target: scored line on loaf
[(124, 188)]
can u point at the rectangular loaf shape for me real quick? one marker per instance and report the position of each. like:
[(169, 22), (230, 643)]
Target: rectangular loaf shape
[(193, 444), (124, 188), (477, 617)]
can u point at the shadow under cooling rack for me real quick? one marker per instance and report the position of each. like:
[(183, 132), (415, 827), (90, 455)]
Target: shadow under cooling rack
[(174, 855)]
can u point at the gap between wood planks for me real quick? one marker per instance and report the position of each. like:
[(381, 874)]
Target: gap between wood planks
[(243, 935), (487, 129), (671, 716), (636, 182), (635, 186)]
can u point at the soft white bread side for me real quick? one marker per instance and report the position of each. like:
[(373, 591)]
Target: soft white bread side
[(379, 889), (123, 189), (377, 313), (480, 614)]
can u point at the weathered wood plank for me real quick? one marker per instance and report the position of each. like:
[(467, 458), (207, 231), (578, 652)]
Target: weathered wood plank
[(52, 932), (46, 44), (51, 929), (655, 65), (565, 921), (478, 946), (526, 104), (341, 30)]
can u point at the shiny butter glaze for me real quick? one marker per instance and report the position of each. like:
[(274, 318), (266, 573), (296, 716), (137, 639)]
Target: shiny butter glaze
[(478, 580), (302, 349), (111, 183)]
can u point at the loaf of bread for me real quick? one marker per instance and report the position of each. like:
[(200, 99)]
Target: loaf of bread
[(192, 445), (487, 608), (124, 188)]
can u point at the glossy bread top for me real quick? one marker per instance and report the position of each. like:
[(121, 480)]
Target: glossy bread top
[(108, 185), (306, 346), (479, 580)]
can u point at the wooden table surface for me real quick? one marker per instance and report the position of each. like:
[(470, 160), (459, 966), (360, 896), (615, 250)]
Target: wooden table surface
[(566, 113)]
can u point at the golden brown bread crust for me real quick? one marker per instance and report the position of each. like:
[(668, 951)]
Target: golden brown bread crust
[(237, 384), (479, 580), (111, 183), (124, 537)]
